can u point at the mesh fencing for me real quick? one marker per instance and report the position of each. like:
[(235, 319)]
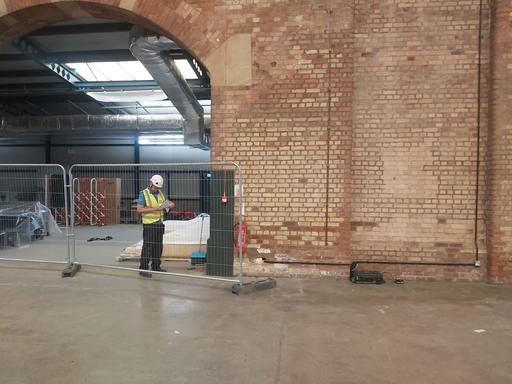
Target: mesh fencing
[(33, 213), (186, 228)]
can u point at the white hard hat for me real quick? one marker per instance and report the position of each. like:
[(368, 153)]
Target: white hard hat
[(157, 181)]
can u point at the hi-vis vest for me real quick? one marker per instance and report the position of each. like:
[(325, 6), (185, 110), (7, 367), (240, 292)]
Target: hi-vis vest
[(152, 202)]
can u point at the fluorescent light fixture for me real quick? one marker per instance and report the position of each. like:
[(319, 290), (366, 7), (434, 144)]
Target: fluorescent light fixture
[(140, 96), (186, 70), (111, 71), (161, 140)]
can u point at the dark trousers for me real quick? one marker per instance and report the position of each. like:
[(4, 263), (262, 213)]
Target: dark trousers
[(152, 246)]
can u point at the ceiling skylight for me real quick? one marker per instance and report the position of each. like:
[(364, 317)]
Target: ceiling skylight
[(111, 71), (148, 95), (186, 70)]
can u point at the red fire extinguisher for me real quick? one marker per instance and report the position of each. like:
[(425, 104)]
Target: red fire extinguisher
[(237, 235)]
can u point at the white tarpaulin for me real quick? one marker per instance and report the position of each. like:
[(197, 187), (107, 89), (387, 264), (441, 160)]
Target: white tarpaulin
[(187, 231), (181, 237)]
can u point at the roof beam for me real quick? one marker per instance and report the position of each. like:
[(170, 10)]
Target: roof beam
[(198, 69), (57, 99), (112, 85), (51, 90), (13, 57), (89, 56), (44, 89), (35, 53), (76, 56), (25, 73), (81, 29), (10, 90), (103, 55)]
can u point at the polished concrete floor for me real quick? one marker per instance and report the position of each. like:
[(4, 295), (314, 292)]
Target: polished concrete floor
[(98, 252), (106, 326)]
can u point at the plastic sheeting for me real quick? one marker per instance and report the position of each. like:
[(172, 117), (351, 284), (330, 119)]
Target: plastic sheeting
[(180, 237), (22, 222), (187, 231)]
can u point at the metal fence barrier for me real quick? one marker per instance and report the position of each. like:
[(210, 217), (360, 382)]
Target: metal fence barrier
[(33, 214), (201, 238)]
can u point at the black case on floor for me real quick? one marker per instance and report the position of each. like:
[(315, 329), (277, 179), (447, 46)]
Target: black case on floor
[(362, 276)]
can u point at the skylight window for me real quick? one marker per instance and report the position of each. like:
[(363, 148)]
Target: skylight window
[(186, 70), (111, 71), (148, 95)]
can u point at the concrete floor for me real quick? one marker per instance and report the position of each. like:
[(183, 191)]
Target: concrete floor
[(106, 326), (95, 252), (98, 252)]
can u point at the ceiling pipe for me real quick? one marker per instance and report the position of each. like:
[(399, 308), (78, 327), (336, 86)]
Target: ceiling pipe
[(150, 51), (42, 125)]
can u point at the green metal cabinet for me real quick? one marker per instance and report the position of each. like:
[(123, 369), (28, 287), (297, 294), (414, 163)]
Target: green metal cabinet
[(221, 243)]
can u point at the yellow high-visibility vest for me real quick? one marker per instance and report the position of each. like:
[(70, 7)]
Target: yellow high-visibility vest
[(152, 202)]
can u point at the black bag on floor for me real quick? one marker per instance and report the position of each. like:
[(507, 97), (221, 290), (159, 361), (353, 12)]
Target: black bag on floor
[(362, 276)]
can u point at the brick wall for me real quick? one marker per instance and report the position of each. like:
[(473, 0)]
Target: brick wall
[(291, 130), (415, 131), (499, 188), (355, 122)]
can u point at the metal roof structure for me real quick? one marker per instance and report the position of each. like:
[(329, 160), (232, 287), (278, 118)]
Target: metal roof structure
[(35, 79)]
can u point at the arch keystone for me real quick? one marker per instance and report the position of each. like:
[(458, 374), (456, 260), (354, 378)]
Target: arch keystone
[(3, 8), (231, 63), (128, 4)]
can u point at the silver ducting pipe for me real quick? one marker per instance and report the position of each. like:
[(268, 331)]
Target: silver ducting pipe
[(149, 51), (36, 125)]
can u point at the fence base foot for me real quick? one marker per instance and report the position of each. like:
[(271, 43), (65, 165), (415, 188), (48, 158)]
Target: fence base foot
[(71, 270), (259, 285)]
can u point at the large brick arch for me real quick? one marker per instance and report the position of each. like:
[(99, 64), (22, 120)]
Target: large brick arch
[(177, 19), (192, 24)]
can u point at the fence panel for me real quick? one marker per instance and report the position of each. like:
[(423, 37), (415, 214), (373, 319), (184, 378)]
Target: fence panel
[(199, 239), (33, 213)]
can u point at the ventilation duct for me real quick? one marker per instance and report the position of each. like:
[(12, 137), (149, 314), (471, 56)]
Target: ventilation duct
[(149, 50), (36, 125)]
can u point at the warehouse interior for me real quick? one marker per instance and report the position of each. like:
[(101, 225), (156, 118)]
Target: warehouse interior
[(294, 139), (109, 83), (83, 92)]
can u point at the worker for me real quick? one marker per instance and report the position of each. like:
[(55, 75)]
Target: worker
[(151, 205)]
